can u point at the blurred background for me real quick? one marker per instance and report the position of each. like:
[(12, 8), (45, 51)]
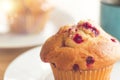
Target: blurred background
[(18, 16), (80, 9), (26, 24), (12, 10)]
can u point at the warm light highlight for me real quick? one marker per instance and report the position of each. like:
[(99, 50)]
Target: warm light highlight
[(6, 5)]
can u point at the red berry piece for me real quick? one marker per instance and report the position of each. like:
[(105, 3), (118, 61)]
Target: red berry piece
[(95, 31), (77, 38), (87, 25), (75, 67), (113, 40), (89, 60)]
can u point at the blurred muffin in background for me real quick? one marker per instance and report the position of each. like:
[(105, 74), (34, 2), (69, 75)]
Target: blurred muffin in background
[(28, 16)]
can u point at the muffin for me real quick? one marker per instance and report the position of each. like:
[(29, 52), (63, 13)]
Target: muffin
[(81, 52), (28, 16)]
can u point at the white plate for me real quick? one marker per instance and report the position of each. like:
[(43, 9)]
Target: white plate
[(58, 18), (28, 66)]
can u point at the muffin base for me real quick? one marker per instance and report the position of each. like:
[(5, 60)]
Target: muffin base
[(100, 74)]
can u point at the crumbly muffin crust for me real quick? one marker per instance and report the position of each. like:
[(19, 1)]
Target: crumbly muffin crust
[(82, 46)]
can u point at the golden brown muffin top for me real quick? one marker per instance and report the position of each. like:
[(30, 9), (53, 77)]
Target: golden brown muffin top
[(82, 46)]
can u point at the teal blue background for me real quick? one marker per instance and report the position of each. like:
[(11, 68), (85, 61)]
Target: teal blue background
[(110, 19)]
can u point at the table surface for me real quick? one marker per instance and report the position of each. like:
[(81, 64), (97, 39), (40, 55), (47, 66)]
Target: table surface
[(8, 55)]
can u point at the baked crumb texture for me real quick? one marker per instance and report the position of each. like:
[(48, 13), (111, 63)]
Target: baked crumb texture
[(82, 46)]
